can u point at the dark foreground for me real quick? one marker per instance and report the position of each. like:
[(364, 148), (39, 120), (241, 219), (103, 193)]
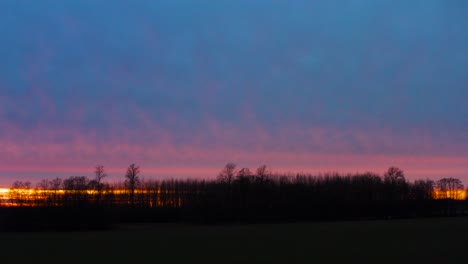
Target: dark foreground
[(436, 240)]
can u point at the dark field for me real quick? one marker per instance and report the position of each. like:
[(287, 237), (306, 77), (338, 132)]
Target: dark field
[(438, 240)]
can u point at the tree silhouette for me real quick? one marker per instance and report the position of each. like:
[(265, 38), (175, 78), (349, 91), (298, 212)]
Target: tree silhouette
[(56, 184), (76, 183), (20, 192), (449, 188), (395, 184), (131, 181), (76, 190), (99, 174), (422, 189), (44, 184), (227, 174), (238, 195), (394, 175), (21, 185), (244, 174)]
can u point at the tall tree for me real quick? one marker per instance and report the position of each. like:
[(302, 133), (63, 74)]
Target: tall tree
[(450, 188), (394, 175), (395, 184), (100, 174), (19, 192), (423, 189), (244, 172), (56, 186), (132, 180), (76, 190), (227, 174), (262, 174)]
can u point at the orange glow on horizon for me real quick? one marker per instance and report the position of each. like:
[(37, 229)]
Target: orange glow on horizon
[(455, 194), (10, 197)]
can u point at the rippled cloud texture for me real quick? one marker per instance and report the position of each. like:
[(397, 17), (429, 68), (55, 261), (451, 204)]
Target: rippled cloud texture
[(182, 87)]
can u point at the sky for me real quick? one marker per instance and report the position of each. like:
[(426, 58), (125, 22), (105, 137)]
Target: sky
[(183, 87)]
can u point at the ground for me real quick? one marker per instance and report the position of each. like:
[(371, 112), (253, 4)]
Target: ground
[(437, 240)]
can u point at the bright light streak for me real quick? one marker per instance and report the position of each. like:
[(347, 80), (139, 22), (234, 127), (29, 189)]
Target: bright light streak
[(459, 194)]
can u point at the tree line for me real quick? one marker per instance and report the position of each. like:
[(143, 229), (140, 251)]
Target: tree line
[(242, 195)]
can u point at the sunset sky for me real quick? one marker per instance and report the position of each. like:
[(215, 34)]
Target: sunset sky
[(183, 87)]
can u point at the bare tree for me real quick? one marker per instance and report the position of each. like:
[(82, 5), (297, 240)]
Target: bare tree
[(56, 186), (43, 188), (21, 185), (244, 172), (20, 192), (227, 174), (450, 188), (262, 174), (262, 170), (132, 180), (76, 183), (395, 184), (423, 189), (100, 174), (244, 176), (44, 184), (394, 175), (76, 190)]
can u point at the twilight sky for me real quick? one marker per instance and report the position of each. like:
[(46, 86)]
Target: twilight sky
[(182, 87)]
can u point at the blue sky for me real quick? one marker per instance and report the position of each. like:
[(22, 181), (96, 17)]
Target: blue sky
[(161, 83)]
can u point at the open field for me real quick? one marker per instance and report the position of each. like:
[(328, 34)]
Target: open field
[(438, 240)]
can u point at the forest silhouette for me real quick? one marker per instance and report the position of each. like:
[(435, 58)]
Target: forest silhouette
[(236, 195)]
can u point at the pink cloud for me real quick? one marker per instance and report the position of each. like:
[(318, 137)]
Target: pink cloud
[(288, 148)]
